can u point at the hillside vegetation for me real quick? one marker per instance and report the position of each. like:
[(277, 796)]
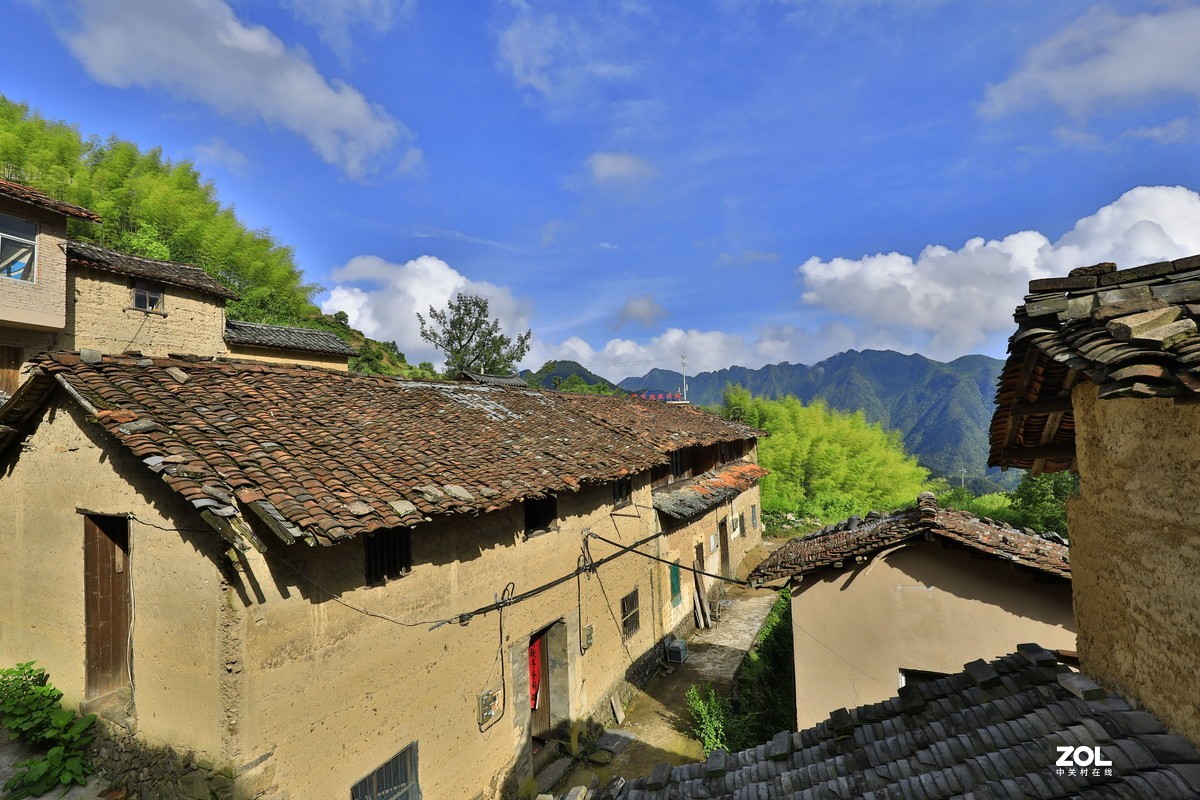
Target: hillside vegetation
[(161, 209), (826, 464)]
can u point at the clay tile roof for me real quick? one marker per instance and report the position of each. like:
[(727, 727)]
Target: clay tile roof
[(490, 380), (1132, 332), (990, 731), (171, 273), (27, 194), (252, 334), (328, 454), (853, 540), (690, 497)]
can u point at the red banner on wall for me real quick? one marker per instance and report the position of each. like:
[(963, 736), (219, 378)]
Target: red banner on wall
[(535, 672)]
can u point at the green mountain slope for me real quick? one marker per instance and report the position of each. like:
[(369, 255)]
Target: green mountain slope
[(941, 410), (560, 371)]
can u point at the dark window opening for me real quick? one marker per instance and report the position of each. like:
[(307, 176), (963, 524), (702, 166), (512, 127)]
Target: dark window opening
[(630, 621), (395, 780), (541, 514), (911, 676), (740, 527), (681, 464), (389, 555), (754, 517), (148, 296), (660, 476), (622, 492)]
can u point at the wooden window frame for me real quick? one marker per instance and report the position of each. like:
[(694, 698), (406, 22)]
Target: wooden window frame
[(141, 290), (387, 555), (754, 516), (622, 490), (631, 621), (25, 240), (380, 784)]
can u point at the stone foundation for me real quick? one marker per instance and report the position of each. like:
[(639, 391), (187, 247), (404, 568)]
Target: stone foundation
[(145, 772)]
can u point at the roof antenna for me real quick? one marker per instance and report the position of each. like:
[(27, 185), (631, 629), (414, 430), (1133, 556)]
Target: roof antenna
[(683, 363)]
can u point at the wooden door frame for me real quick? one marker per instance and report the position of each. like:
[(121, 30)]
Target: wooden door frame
[(108, 605), (723, 546)]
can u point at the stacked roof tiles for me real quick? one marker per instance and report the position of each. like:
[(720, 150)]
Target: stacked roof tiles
[(688, 498), (992, 731), (27, 194), (170, 273), (325, 455), (249, 334), (1132, 332), (855, 540)]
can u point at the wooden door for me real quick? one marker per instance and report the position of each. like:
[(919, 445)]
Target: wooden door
[(106, 603), (10, 369), (539, 686), (723, 531)]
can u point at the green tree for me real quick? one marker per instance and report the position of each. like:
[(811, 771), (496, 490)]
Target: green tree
[(1042, 499), (470, 338), (824, 463)]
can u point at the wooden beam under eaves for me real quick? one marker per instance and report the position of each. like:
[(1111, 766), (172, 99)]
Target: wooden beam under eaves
[(1056, 404), (1049, 453)]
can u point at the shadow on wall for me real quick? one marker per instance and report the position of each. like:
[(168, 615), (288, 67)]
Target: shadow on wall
[(977, 578)]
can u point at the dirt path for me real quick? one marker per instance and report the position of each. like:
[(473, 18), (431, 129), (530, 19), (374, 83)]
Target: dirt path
[(658, 718)]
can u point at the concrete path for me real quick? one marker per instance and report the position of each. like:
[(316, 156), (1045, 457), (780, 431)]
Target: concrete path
[(658, 718), (12, 752)]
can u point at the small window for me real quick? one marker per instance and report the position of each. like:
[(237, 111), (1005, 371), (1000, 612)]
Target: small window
[(712, 543), (630, 622), (395, 780), (622, 492), (754, 517), (148, 296), (739, 525), (18, 249), (676, 590), (541, 514), (389, 555), (911, 676)]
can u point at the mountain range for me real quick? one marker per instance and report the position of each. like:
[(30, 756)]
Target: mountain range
[(942, 410)]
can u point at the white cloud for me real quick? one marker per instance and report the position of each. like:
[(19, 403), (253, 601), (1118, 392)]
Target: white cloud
[(949, 302), (383, 299), (619, 168), (219, 153), (1102, 58), (334, 19), (1173, 132), (608, 246), (563, 61), (643, 309), (200, 50)]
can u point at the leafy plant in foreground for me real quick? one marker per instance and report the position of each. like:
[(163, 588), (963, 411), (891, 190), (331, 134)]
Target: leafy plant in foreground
[(31, 709)]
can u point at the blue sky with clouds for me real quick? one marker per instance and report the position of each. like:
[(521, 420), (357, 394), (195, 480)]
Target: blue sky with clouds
[(746, 181)]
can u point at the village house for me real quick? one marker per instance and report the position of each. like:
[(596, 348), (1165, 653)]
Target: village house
[(1103, 378), (294, 582), (890, 600), (61, 294)]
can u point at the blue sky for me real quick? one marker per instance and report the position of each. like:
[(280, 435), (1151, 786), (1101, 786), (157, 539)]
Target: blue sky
[(746, 181)]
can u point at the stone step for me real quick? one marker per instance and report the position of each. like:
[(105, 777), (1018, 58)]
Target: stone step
[(547, 778)]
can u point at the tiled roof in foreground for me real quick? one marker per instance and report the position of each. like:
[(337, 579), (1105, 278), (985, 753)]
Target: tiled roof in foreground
[(688, 498), (991, 731), (325, 455), (27, 194), (1132, 332), (250, 334), (855, 540), (171, 273)]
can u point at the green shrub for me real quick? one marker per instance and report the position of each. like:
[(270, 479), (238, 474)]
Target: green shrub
[(31, 709), (711, 716)]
